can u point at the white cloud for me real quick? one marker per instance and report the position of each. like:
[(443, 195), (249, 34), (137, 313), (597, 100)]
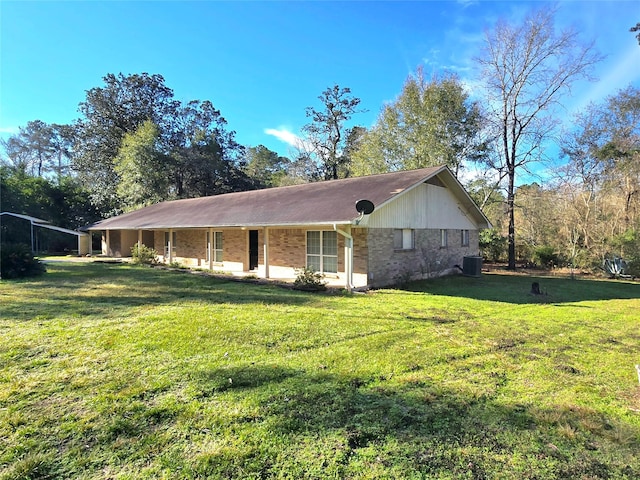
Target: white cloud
[(285, 136), (9, 130)]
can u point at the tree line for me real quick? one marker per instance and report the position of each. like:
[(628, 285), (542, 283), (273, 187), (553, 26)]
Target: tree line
[(135, 144)]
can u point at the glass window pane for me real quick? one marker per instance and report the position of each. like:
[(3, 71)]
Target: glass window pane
[(313, 243), (313, 262), (329, 243), (330, 264), (397, 239)]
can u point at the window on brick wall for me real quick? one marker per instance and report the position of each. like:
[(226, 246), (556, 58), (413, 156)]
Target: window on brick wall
[(322, 251), (464, 239), (444, 238), (404, 239), (216, 247)]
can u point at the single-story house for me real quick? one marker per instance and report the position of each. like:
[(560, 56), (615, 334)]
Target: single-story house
[(407, 225)]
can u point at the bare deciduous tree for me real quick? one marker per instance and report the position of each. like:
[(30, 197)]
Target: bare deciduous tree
[(527, 68)]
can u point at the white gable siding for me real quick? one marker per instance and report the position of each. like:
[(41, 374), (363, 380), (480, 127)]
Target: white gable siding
[(425, 206)]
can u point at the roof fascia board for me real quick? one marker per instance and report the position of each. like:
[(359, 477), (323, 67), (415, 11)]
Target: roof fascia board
[(453, 183), (235, 226)]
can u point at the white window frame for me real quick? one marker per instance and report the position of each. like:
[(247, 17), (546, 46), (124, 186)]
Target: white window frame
[(217, 248), (404, 239), (464, 238), (322, 255)]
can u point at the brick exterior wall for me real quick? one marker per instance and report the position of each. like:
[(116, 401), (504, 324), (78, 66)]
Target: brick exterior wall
[(235, 246), (374, 255), (287, 248), (191, 247), (388, 266), (360, 250)]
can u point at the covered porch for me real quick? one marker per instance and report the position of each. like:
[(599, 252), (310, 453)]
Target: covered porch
[(267, 252)]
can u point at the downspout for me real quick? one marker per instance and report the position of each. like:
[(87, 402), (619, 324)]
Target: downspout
[(348, 257)]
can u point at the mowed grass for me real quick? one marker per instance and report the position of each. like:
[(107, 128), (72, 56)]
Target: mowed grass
[(115, 371)]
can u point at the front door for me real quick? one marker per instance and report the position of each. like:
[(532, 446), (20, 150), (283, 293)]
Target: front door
[(253, 249)]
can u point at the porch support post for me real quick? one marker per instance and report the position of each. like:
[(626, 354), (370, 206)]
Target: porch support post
[(170, 245), (108, 238), (210, 248), (348, 255), (266, 252), (139, 240)]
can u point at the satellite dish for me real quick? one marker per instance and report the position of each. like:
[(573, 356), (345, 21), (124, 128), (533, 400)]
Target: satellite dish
[(364, 207)]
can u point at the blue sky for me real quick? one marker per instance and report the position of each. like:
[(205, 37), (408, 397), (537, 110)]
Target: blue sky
[(263, 63)]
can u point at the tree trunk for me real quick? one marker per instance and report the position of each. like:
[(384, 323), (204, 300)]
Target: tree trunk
[(512, 223)]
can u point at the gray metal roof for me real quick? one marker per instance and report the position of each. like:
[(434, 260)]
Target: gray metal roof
[(317, 203)]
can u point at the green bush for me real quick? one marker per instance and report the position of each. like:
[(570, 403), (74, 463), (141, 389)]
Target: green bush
[(545, 256), (492, 244), (144, 255), (310, 280), (17, 261)]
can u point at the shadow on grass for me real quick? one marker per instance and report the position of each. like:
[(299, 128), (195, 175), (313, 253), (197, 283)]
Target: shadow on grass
[(263, 421), (418, 428), (101, 289), (517, 289)]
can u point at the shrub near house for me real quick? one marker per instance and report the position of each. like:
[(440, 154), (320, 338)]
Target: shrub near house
[(17, 261)]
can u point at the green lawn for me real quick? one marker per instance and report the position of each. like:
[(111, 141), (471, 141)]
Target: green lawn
[(115, 371)]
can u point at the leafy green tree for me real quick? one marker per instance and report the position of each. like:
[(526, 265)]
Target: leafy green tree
[(301, 169), (142, 168), (430, 123), (488, 196), (327, 133), (16, 155), (206, 158), (63, 203), (63, 141), (264, 166), (108, 114), (204, 170), (526, 68), (193, 148), (40, 149), (493, 244)]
